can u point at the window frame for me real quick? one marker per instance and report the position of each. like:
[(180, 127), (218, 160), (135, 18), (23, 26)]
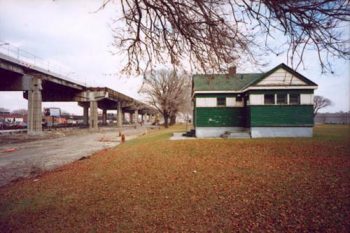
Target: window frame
[(222, 99), (273, 99), (296, 103), (285, 102)]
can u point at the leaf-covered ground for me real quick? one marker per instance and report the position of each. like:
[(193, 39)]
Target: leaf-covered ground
[(151, 184)]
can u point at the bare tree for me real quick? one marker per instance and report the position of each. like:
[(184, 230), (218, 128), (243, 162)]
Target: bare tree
[(215, 33), (186, 107), (320, 102), (166, 91)]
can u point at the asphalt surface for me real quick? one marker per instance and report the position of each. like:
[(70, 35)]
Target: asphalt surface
[(28, 158)]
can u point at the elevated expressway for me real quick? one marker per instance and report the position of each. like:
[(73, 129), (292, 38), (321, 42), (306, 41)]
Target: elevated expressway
[(39, 84)]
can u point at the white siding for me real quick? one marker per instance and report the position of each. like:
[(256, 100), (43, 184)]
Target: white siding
[(255, 99), (239, 104), (281, 77), (205, 102), (230, 101), (306, 99)]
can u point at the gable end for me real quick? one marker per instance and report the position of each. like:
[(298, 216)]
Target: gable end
[(282, 75)]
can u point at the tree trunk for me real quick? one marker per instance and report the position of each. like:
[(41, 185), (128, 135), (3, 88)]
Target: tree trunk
[(166, 119), (172, 119)]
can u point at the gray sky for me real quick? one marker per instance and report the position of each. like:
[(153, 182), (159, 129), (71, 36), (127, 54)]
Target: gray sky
[(68, 33)]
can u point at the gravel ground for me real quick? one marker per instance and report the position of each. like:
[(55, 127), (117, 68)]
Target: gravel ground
[(21, 156)]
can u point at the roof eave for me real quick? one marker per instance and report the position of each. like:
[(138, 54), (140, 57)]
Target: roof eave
[(313, 87)]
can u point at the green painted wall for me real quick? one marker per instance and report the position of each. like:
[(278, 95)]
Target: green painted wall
[(281, 115), (220, 117)]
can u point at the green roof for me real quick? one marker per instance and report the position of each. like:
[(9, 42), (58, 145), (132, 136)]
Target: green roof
[(224, 82), (237, 82)]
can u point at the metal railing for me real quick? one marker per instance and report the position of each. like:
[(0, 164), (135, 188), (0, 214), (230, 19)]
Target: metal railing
[(30, 60)]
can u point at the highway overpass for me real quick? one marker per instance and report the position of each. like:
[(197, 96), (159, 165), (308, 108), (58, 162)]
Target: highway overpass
[(40, 83)]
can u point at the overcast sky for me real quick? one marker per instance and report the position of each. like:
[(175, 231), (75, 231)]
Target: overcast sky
[(69, 33)]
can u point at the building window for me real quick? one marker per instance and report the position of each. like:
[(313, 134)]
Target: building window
[(239, 98), (282, 98), (269, 99), (221, 101), (294, 98)]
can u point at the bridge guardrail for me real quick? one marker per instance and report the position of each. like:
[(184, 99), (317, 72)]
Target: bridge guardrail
[(32, 61)]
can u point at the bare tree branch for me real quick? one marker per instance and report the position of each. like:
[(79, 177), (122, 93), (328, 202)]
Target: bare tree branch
[(215, 33), (168, 91), (320, 102)]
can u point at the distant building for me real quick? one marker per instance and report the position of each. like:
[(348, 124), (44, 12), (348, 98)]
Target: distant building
[(278, 103), (13, 118), (12, 121)]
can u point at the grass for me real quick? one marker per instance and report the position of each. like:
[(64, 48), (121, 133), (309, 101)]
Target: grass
[(151, 184)]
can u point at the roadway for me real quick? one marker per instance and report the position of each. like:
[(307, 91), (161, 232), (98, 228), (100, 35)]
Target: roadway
[(29, 158)]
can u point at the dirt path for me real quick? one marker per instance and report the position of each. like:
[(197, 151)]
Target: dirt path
[(26, 159)]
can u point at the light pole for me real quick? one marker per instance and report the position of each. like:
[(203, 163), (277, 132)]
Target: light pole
[(5, 44)]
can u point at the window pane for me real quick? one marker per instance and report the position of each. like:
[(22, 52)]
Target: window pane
[(294, 98), (221, 101), (281, 98), (269, 99)]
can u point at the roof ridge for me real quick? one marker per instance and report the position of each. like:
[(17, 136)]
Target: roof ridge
[(226, 74)]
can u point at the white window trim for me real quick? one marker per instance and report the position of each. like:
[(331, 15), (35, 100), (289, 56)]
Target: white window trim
[(288, 100)]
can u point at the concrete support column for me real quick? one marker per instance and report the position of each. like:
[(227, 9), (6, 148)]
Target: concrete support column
[(119, 115), (93, 120), (136, 116), (124, 117), (86, 114), (34, 107), (104, 116), (131, 118)]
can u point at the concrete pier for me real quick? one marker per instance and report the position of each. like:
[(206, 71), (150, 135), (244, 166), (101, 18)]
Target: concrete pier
[(136, 116), (104, 117), (86, 114), (124, 116), (34, 107), (93, 120), (119, 115), (132, 118)]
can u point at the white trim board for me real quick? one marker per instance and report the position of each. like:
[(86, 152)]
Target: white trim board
[(259, 88)]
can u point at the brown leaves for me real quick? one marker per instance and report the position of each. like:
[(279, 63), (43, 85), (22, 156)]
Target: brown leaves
[(155, 185)]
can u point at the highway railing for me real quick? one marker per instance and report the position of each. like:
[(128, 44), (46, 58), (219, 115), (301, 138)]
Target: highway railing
[(30, 60)]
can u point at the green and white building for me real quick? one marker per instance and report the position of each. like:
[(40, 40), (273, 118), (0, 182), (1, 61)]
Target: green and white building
[(278, 103)]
